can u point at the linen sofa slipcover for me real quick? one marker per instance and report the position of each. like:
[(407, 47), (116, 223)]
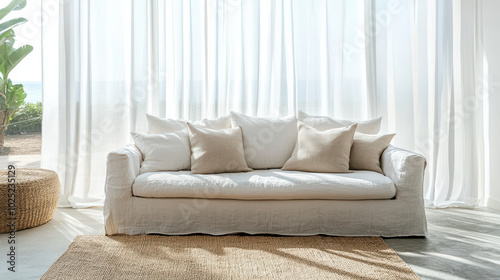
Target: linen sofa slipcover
[(217, 207)]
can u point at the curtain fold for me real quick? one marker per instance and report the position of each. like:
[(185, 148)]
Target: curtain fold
[(415, 63), (450, 130)]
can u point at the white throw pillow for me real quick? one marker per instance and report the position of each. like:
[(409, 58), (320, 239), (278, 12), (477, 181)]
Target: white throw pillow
[(324, 123), (322, 151), (268, 142), (158, 125), (164, 152), (216, 150)]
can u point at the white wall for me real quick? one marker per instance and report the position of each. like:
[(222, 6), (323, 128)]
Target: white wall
[(491, 29)]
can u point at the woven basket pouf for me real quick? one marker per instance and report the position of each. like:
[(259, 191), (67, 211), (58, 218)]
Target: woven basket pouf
[(36, 196)]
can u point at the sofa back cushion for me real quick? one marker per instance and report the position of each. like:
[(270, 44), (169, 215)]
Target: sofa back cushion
[(159, 125), (216, 151), (268, 142), (321, 151), (323, 123), (163, 152)]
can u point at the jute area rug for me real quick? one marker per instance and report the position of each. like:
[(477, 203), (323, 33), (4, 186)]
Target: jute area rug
[(229, 257)]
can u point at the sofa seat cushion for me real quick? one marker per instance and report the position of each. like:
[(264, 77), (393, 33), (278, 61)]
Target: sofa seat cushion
[(270, 184)]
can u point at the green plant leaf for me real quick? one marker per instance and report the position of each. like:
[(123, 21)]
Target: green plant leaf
[(5, 49), (6, 34), (13, 58), (15, 96), (5, 26), (6, 45), (14, 4), (21, 5)]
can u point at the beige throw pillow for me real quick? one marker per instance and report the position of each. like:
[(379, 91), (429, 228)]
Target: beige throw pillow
[(366, 151), (321, 151), (216, 151)]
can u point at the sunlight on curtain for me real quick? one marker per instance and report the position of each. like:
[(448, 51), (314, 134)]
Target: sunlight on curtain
[(415, 63), (257, 57)]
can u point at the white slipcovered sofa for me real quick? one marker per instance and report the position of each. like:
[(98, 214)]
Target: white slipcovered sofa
[(363, 203)]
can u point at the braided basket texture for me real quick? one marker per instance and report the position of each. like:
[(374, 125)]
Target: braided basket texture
[(36, 196)]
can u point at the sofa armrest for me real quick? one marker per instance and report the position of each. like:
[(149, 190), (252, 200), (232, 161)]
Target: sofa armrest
[(406, 170), (123, 167)]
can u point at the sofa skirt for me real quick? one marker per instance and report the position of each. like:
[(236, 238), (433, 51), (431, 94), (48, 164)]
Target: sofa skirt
[(179, 216)]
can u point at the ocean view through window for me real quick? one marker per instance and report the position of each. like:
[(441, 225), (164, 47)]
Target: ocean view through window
[(33, 90)]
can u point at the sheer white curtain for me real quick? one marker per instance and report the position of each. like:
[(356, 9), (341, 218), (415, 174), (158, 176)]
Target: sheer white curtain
[(107, 63), (449, 90), (430, 91)]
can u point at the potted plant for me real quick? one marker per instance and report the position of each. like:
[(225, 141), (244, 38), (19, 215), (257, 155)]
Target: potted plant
[(11, 95)]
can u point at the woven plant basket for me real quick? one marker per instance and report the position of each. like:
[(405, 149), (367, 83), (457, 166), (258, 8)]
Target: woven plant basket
[(36, 196)]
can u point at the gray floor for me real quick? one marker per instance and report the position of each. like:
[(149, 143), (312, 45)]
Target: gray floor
[(462, 244)]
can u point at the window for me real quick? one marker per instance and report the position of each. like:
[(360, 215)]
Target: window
[(23, 133)]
